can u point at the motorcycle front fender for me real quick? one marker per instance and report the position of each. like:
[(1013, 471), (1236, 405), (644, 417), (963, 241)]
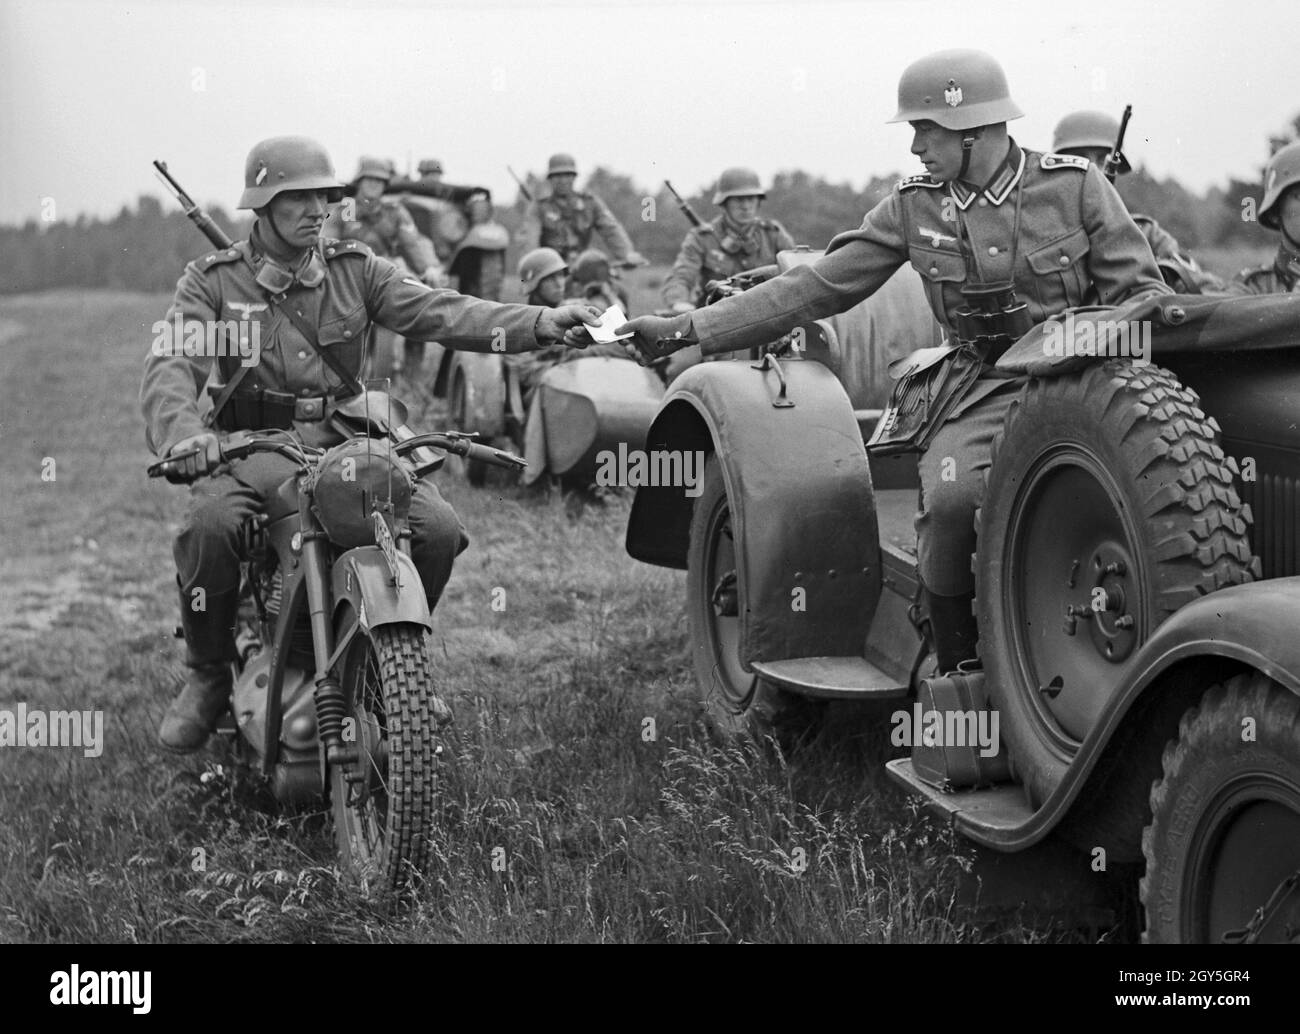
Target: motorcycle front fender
[(362, 580)]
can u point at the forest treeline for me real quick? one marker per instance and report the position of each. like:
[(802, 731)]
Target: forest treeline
[(145, 247)]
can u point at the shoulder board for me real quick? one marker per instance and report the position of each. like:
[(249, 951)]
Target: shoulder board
[(1254, 272), (1142, 220), (337, 249), (921, 179), (706, 228), (216, 258), (1063, 161)]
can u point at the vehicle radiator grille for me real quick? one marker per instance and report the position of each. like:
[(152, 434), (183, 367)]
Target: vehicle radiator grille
[(1274, 501)]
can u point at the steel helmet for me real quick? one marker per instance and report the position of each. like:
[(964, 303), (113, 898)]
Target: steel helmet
[(538, 264), (592, 266), (561, 164), (376, 168), (287, 163), (957, 89), (738, 182), (429, 165), (1282, 171), (1081, 129)]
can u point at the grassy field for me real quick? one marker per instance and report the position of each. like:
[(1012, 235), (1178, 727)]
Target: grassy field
[(606, 836)]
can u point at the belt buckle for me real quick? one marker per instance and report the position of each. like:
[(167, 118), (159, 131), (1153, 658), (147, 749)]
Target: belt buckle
[(308, 409)]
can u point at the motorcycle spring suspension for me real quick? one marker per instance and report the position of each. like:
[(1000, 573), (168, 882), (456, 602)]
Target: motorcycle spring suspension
[(331, 709)]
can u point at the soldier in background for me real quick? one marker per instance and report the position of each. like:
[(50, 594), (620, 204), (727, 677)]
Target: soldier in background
[(430, 171), (567, 219), (387, 228), (1092, 135), (542, 275), (1279, 211), (737, 240)]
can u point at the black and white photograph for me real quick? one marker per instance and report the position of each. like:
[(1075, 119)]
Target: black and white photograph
[(780, 472)]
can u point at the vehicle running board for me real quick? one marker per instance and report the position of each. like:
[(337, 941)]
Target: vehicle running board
[(831, 678), (993, 807)]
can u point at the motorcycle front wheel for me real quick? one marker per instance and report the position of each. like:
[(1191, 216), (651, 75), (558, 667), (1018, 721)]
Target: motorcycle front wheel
[(384, 800)]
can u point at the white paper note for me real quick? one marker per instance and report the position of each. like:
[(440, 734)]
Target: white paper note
[(610, 319)]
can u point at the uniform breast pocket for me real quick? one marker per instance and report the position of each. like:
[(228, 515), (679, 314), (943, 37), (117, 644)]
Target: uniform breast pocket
[(939, 269), (1060, 270), (344, 337)]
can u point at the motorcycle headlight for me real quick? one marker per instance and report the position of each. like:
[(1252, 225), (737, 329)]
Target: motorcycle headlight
[(350, 481)]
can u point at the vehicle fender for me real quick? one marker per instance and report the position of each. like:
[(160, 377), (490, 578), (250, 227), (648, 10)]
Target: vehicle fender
[(799, 487), (361, 579), (485, 386), (1249, 626)]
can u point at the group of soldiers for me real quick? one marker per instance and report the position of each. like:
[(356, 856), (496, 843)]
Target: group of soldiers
[(987, 211)]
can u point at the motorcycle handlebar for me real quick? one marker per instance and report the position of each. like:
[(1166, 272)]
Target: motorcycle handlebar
[(463, 445)]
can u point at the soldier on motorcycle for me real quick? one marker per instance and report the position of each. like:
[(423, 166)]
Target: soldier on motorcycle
[(1043, 229), (1279, 211), (313, 299)]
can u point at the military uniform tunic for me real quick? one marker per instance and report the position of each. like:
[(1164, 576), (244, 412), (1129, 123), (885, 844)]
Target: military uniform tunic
[(568, 224), (714, 252), (351, 287), (1074, 233), (1281, 276)]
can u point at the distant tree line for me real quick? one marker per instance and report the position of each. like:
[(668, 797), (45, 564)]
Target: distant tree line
[(145, 248)]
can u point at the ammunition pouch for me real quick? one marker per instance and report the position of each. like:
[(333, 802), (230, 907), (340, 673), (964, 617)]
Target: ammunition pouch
[(255, 409)]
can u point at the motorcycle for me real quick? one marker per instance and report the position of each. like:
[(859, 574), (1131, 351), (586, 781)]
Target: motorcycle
[(333, 694)]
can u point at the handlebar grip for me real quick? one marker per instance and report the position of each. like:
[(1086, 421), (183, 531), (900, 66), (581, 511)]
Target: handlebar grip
[(496, 457), (170, 467)]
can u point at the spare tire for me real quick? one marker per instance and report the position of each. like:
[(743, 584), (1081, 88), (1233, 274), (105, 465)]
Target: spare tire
[(1108, 505)]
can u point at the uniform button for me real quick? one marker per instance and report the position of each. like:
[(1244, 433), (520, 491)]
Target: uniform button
[(347, 333), (1065, 260), (302, 353), (984, 202), (305, 392), (329, 251), (993, 249), (231, 253), (934, 270)]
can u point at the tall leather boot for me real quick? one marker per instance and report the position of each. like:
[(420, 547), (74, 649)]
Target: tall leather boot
[(954, 632), (210, 649)]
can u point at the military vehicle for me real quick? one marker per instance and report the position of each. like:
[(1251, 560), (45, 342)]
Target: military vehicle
[(1137, 595)]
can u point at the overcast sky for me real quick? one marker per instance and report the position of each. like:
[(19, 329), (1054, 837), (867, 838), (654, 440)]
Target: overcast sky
[(92, 91)]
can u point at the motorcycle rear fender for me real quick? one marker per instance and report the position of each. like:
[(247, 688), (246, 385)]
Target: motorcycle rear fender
[(799, 488), (361, 579), (485, 383), (1236, 629)]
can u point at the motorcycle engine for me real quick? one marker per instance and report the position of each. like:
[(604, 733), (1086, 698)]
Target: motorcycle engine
[(298, 727)]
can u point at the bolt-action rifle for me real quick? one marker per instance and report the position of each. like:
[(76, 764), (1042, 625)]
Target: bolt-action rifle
[(685, 206), (1116, 163), (522, 189), (197, 216)]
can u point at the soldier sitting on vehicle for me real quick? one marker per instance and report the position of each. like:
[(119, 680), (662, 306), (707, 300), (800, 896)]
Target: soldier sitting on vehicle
[(1092, 135), (592, 280), (542, 274), (567, 219), (737, 240), (1040, 230), (1279, 211), (314, 299)]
